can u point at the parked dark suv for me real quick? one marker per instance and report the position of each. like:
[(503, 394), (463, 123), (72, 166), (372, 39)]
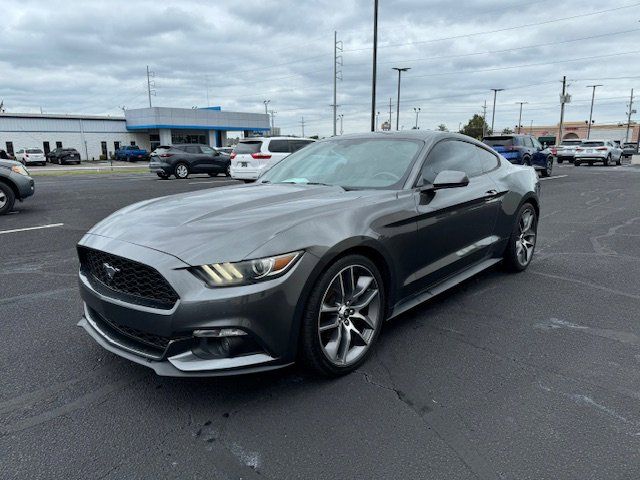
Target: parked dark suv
[(182, 160), (522, 150), (63, 155)]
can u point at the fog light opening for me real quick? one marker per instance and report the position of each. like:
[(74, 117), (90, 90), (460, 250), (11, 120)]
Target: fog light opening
[(219, 332)]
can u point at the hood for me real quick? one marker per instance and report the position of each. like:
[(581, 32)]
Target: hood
[(8, 163), (224, 223)]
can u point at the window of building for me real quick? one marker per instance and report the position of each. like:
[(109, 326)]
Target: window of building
[(103, 148), (133, 143), (58, 144), (46, 148), (116, 146), (10, 148)]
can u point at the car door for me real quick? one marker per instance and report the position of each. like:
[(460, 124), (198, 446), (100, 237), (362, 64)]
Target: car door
[(212, 161), (194, 158), (455, 226), (539, 157)]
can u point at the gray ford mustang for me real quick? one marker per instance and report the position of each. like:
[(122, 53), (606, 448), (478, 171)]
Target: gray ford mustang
[(308, 262)]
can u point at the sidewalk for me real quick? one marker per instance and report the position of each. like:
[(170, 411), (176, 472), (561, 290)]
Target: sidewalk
[(635, 160), (91, 166)]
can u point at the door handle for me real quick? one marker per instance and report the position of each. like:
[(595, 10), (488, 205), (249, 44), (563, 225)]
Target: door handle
[(491, 193)]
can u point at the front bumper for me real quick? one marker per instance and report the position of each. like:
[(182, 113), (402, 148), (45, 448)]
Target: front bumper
[(26, 185), (268, 312)]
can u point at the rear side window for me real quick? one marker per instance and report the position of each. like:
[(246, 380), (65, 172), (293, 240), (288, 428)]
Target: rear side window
[(248, 147), (488, 161), (34, 150), (279, 146), (192, 149), (298, 144)]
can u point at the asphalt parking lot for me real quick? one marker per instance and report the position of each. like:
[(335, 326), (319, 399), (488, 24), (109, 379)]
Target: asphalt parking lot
[(534, 375)]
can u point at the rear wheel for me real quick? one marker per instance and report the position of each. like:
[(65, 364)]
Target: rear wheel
[(619, 161), (526, 161), (7, 198), (181, 171), (522, 242), (343, 317)]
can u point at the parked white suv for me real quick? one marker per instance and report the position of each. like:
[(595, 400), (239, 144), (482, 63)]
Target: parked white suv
[(252, 155), (590, 151), (30, 156)]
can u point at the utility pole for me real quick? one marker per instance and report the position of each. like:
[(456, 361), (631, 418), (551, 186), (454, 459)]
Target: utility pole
[(337, 75), (520, 116), (484, 119), (493, 115), (341, 117), (563, 100), (302, 124), (149, 76), (273, 122), (400, 70), (631, 110), (593, 96), (375, 61), (417, 110)]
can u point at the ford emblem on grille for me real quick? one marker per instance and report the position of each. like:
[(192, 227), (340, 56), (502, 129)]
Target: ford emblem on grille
[(110, 270)]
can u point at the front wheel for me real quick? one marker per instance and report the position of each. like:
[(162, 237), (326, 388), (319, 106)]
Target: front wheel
[(343, 316), (548, 168), (522, 242), (607, 160), (7, 198), (162, 175), (619, 161)]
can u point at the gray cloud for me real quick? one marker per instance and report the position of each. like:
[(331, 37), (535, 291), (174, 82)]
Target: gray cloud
[(90, 57)]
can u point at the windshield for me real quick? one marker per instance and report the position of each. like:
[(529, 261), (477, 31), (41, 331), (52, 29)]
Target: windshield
[(571, 142), (499, 141), (349, 163), (592, 144)]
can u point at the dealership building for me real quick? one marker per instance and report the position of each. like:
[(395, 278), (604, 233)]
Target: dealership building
[(96, 136)]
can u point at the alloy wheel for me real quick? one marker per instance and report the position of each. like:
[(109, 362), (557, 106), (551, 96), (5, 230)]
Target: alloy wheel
[(182, 171), (526, 240), (3, 199), (350, 311)]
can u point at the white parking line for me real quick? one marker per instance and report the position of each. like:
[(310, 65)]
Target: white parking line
[(555, 176), (51, 225)]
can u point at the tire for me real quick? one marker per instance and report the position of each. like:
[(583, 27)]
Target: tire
[(212, 174), (526, 161), (227, 170), (607, 160), (548, 168), (163, 176), (7, 198), (591, 163), (560, 160), (59, 161), (181, 170), (338, 340), (522, 241), (619, 161), (576, 163)]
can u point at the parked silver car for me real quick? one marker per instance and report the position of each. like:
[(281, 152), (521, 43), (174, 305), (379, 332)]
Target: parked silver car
[(604, 151), (567, 149)]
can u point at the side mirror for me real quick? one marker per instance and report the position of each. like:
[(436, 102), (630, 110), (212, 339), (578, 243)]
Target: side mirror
[(450, 179)]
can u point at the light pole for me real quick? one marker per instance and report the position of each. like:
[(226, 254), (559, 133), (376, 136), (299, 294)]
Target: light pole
[(493, 115), (520, 116), (341, 116), (593, 96), (377, 120), (417, 110), (400, 70), (266, 107), (375, 61)]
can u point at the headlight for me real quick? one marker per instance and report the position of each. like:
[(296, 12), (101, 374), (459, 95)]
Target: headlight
[(246, 272), (19, 169)]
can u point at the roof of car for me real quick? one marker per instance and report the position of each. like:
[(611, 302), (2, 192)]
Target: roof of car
[(262, 139)]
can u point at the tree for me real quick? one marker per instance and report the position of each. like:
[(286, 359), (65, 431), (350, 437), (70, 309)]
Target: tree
[(506, 131), (442, 128), (474, 128)]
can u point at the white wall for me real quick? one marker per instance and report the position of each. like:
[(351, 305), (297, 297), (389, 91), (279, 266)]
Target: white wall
[(26, 139)]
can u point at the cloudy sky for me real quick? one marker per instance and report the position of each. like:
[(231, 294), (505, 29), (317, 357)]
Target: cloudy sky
[(90, 57)]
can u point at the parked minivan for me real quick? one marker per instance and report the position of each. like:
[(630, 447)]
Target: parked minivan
[(252, 155)]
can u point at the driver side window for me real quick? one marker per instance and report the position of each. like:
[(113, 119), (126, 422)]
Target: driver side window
[(451, 155)]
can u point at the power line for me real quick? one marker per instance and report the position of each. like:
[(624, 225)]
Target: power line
[(505, 29)]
